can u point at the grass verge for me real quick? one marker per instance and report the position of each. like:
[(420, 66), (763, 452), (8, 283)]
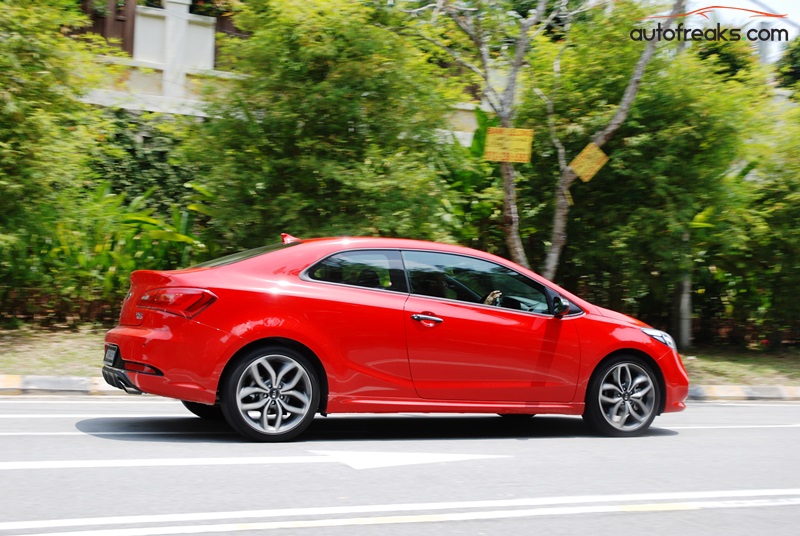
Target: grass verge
[(723, 366), (80, 353), (52, 353)]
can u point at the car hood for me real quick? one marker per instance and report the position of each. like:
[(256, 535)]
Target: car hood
[(608, 313)]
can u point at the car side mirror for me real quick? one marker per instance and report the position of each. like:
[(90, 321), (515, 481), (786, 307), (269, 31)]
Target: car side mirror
[(561, 306)]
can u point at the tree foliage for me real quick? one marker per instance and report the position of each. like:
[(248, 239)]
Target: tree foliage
[(789, 65), (139, 152), (670, 200), (68, 241), (335, 124), (333, 129), (41, 120)]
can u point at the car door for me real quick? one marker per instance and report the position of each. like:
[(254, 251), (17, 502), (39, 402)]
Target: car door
[(358, 304), (480, 331)]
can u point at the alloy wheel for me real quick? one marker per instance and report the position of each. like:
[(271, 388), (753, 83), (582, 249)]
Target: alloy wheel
[(627, 397), (271, 395)]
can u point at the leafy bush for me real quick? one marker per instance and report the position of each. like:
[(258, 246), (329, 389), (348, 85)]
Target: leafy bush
[(80, 271)]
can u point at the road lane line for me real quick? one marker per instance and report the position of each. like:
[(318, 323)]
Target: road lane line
[(158, 462), (675, 501), (764, 404), (353, 459), (186, 415), (732, 427), (431, 518), (93, 434), (88, 400)]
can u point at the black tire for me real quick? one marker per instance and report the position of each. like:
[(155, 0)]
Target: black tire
[(204, 411), (271, 394), (623, 397)]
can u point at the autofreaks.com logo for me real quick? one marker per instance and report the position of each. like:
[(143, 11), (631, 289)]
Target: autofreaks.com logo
[(711, 33)]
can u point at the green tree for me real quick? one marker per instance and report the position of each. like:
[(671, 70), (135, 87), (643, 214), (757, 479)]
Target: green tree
[(333, 127), (139, 152), (659, 210), (788, 66), (67, 241), (775, 249), (733, 59), (494, 41), (42, 131)]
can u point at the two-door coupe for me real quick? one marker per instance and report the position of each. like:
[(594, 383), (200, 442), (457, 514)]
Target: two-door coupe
[(270, 337)]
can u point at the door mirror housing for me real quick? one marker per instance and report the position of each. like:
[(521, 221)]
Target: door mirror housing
[(561, 306)]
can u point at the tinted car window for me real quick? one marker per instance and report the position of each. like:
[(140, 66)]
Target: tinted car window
[(457, 277), (369, 269)]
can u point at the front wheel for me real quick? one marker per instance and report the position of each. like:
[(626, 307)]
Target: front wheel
[(272, 394), (623, 397)]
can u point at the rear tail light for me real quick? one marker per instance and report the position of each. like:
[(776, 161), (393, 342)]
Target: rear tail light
[(186, 302)]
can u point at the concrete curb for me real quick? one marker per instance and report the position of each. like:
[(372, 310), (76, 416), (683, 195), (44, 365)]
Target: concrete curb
[(744, 392), (75, 385), (62, 385)]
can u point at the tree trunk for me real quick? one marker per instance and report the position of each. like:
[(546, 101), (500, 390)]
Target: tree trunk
[(511, 215), (684, 312), (558, 238), (559, 234)]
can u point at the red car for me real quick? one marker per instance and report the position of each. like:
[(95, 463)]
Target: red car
[(270, 337)]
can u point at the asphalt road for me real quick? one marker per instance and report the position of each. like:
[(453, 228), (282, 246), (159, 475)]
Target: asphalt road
[(145, 466)]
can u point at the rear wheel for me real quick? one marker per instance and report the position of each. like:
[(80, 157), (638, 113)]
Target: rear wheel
[(272, 394), (210, 413), (623, 397)]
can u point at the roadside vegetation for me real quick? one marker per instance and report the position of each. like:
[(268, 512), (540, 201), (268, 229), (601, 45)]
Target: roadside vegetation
[(338, 127)]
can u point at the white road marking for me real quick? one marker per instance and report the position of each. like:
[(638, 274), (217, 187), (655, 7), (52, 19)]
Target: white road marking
[(762, 404), (95, 415), (100, 433), (88, 400), (157, 462), (732, 426), (355, 460), (546, 506)]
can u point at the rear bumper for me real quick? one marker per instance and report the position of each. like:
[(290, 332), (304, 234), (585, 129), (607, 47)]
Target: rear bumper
[(187, 358), (119, 379)]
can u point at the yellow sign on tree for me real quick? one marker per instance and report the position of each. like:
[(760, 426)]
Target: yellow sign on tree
[(589, 162), (508, 144)]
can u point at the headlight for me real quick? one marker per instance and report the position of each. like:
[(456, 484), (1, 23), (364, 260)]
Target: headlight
[(661, 336)]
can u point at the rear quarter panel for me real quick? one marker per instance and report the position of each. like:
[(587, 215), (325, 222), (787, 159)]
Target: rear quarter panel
[(358, 334)]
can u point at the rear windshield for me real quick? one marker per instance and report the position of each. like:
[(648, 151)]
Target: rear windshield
[(243, 255)]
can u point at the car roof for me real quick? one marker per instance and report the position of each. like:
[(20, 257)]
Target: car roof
[(372, 242), (383, 242)]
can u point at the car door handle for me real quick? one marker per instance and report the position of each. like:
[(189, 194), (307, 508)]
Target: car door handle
[(426, 318)]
